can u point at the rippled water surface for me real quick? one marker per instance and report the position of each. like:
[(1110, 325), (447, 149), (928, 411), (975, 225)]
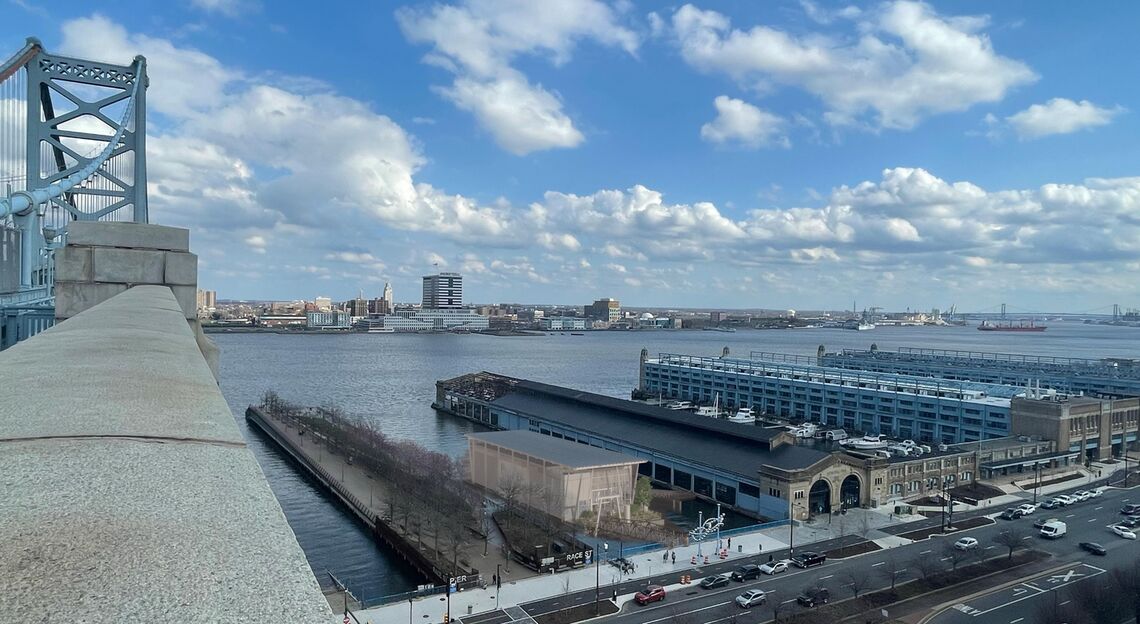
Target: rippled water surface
[(390, 378)]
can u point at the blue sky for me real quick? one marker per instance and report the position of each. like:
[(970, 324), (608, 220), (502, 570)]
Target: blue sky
[(713, 154)]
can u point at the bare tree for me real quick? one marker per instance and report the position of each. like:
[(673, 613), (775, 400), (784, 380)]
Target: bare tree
[(1127, 580), (863, 525), (1101, 604), (891, 571), (955, 555), (1011, 539), (926, 566), (856, 581)]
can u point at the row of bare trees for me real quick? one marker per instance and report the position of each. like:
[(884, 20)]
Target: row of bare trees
[(425, 494), (1108, 599)]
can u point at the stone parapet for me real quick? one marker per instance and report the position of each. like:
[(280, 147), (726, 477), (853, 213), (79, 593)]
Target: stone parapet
[(130, 494)]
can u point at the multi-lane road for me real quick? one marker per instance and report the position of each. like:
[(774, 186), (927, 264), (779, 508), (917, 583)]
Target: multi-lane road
[(1087, 521)]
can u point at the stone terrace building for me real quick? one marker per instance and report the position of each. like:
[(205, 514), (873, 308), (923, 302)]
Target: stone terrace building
[(1097, 427)]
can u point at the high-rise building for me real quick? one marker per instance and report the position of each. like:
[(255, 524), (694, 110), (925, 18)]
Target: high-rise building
[(608, 310), (387, 296), (443, 291)]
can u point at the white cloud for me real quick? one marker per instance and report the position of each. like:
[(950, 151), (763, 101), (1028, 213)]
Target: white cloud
[(1060, 116), (738, 121), (478, 40), (257, 243), (229, 8), (907, 63)]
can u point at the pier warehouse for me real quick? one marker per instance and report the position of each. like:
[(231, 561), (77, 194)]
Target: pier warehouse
[(759, 471), (573, 477), (1107, 376), (902, 406)]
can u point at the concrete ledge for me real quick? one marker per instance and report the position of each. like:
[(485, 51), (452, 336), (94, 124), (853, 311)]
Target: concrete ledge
[(71, 298), (129, 493), (129, 266), (132, 235), (181, 269), (73, 264)]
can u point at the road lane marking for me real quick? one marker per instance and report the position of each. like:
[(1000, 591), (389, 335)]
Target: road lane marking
[(1098, 508), (1070, 515), (945, 559), (679, 614), (1016, 621), (824, 578), (1092, 519), (874, 565), (989, 547), (926, 552), (1064, 603), (1027, 537)]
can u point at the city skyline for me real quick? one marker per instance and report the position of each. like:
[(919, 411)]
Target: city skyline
[(655, 156)]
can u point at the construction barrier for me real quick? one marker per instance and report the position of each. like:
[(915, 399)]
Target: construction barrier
[(706, 559), (693, 561)]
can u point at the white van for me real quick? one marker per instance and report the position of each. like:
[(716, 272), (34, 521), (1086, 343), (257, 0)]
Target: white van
[(1054, 529)]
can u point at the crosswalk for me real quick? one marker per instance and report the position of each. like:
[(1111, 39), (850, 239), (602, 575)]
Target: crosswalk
[(508, 615)]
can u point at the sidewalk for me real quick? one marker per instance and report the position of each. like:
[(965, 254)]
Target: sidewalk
[(650, 568)]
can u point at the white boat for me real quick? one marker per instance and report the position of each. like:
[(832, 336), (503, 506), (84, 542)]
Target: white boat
[(381, 330), (712, 411), (679, 405), (866, 443), (743, 416), (806, 430)]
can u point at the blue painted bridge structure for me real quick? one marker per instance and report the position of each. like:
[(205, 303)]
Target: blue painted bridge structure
[(72, 148)]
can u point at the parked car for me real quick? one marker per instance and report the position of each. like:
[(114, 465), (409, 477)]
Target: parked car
[(1096, 493), (746, 572), (1124, 532), (814, 596), (966, 543), (712, 582), (653, 593), (1040, 522), (1066, 499), (775, 567), (1083, 495), (1012, 513), (751, 598), (1051, 504), (1130, 509), (1027, 508), (1094, 548), (808, 559)]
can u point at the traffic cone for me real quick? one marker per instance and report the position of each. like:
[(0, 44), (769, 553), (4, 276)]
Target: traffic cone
[(693, 560), (706, 559)]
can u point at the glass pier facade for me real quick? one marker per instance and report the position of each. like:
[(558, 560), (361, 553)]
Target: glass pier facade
[(903, 406), (1111, 376)]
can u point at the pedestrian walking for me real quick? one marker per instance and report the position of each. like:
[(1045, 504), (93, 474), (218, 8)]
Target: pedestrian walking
[(730, 542), (674, 557)]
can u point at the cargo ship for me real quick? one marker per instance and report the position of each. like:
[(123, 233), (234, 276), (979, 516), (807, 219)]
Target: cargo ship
[(1023, 326)]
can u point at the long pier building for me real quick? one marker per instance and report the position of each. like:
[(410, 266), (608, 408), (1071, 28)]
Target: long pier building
[(902, 406), (1104, 376), (761, 471)]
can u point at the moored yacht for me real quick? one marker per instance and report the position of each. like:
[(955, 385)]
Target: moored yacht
[(866, 443), (744, 416)]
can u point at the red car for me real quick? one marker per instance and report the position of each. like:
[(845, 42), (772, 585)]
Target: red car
[(653, 593)]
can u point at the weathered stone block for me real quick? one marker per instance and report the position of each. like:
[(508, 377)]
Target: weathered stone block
[(71, 298), (181, 269), (130, 266), (73, 264), (187, 297), (133, 235)]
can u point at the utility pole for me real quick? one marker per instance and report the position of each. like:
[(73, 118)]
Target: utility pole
[(598, 578)]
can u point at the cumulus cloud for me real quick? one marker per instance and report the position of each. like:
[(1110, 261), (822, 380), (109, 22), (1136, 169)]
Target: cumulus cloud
[(907, 62), (739, 122), (1060, 116), (229, 8), (478, 40)]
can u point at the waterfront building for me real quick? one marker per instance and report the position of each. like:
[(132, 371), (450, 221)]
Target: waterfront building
[(607, 310), (1109, 376), (564, 323), (907, 407), (758, 471), (573, 478), (282, 320), (387, 294), (443, 291), (336, 319), (357, 307), (1096, 428), (324, 304), (411, 319)]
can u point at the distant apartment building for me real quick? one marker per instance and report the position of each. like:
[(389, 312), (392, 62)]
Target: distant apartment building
[(716, 317), (530, 316), (207, 302), (564, 323), (282, 320), (608, 310), (356, 307), (324, 304), (335, 319), (443, 291)]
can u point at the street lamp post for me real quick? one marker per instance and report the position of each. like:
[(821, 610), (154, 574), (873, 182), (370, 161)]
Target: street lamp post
[(598, 578), (1036, 481)]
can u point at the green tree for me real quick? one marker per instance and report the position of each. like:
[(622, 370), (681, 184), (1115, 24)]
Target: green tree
[(641, 493)]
